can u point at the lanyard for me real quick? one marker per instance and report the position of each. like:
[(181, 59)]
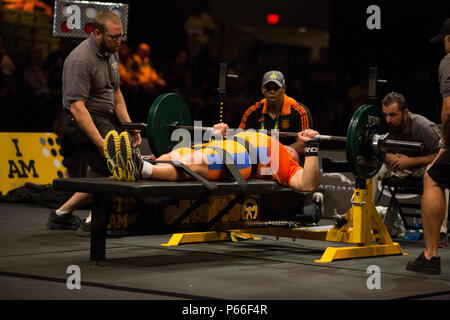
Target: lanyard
[(276, 122)]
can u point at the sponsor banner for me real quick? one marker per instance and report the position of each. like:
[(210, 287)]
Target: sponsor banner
[(29, 157)]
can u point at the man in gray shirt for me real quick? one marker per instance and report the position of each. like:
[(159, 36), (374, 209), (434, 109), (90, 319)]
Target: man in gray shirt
[(437, 179), (93, 103), (407, 126)]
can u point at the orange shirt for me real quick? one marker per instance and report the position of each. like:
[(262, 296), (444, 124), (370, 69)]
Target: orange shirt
[(293, 117)]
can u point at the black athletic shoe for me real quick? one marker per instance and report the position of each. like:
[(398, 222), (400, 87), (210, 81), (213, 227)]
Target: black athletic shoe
[(85, 229), (66, 221), (130, 159), (422, 264)]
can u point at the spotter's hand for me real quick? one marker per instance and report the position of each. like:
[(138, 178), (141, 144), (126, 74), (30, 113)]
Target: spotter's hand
[(135, 137)]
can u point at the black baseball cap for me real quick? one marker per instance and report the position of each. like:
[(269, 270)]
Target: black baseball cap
[(445, 30), (274, 76)]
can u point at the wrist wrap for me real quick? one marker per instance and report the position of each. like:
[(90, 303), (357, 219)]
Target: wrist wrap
[(312, 148)]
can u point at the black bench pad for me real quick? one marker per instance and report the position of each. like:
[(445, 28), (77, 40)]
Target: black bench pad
[(150, 188)]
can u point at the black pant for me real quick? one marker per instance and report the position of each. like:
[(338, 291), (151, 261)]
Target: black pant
[(440, 171), (85, 146)]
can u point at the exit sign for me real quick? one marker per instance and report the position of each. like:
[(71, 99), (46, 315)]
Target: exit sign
[(273, 18)]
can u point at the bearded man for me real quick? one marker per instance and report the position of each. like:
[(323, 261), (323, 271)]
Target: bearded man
[(94, 105), (408, 126)]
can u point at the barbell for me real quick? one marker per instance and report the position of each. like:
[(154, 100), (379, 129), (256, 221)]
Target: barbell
[(366, 142)]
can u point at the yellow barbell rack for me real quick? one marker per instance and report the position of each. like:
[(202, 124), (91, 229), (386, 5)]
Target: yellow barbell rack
[(363, 228)]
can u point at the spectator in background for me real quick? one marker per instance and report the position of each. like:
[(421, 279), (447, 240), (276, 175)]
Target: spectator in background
[(41, 110), (179, 75), (199, 27), (3, 87), (6, 106), (53, 67), (6, 64), (148, 77), (9, 97), (180, 80), (322, 80), (357, 94), (128, 70), (129, 83), (148, 80), (35, 78), (7, 69)]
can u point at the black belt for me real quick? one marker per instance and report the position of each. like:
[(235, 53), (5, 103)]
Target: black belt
[(253, 154)]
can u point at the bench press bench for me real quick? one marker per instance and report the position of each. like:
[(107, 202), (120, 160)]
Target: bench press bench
[(104, 189)]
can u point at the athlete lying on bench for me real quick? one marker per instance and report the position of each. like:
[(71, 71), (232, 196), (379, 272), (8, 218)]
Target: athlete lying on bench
[(274, 160)]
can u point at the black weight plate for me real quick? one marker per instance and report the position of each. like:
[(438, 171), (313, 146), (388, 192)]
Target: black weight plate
[(362, 159)]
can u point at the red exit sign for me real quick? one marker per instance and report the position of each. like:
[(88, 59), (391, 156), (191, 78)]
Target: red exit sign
[(273, 18)]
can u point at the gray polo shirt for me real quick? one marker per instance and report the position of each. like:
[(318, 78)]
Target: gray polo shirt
[(91, 76), (444, 76), (419, 129)]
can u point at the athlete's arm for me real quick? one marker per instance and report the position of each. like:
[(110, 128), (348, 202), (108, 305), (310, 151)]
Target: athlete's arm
[(307, 179)]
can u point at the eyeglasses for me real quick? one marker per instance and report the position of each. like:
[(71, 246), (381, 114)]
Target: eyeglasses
[(115, 38)]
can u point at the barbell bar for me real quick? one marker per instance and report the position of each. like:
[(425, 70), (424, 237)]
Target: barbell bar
[(175, 125), (378, 140)]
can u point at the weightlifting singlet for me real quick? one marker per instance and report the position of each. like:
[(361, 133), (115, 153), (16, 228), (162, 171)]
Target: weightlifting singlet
[(216, 166), (269, 158)]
